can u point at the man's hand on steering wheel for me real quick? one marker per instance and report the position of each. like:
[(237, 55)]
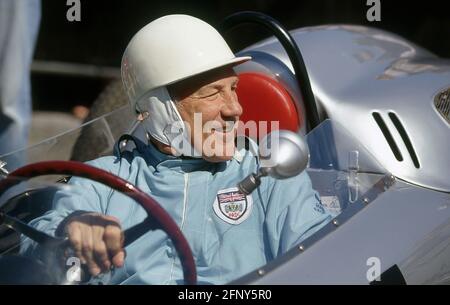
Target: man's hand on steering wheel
[(97, 241)]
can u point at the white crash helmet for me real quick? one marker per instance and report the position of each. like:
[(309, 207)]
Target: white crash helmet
[(165, 51)]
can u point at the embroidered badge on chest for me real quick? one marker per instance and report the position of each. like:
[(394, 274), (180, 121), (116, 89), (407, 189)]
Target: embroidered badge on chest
[(232, 206)]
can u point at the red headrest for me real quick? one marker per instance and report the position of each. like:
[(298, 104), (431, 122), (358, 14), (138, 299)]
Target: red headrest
[(265, 99)]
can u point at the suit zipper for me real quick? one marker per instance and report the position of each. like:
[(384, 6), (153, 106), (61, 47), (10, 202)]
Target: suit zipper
[(183, 219)]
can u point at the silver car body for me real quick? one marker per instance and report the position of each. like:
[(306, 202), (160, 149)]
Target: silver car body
[(360, 74)]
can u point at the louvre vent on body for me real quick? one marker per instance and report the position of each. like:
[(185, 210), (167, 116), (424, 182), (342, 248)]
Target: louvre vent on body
[(442, 103)]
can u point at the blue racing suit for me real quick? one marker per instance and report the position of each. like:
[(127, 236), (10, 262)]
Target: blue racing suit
[(230, 234)]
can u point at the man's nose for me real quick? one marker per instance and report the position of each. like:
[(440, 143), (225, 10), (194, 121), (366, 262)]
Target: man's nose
[(231, 107)]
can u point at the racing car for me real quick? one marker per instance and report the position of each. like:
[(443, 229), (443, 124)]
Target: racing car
[(374, 110)]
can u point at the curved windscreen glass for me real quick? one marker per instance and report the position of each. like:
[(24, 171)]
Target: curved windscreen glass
[(340, 167), (91, 140)]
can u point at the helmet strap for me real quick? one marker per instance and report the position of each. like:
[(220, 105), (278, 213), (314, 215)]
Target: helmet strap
[(164, 122)]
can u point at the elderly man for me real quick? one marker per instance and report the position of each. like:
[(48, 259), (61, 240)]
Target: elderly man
[(178, 73)]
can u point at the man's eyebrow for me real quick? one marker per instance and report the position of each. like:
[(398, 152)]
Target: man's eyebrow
[(213, 86), (220, 86), (217, 86)]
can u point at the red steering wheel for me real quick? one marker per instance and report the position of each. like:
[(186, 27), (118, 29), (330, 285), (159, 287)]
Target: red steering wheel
[(162, 218)]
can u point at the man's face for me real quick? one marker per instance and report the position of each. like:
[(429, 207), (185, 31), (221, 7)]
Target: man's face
[(209, 106)]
